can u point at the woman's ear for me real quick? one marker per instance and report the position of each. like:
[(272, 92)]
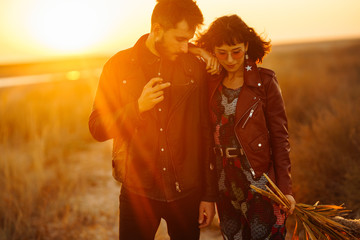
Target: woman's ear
[(246, 46)]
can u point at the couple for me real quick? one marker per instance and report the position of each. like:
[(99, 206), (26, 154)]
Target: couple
[(185, 139)]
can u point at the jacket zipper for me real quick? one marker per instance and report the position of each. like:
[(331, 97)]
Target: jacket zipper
[(252, 109), (251, 169), (177, 185)]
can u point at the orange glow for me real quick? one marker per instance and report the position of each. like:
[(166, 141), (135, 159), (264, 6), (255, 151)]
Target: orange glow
[(65, 25), (73, 75), (39, 29), (70, 26)]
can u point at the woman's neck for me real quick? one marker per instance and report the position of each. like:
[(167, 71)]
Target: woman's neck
[(234, 80)]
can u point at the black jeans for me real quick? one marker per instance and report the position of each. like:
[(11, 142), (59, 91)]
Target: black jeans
[(140, 217)]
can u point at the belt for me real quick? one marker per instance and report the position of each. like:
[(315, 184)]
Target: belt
[(228, 152)]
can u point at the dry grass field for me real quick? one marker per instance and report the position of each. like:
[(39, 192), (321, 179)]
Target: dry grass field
[(321, 87), (55, 180)]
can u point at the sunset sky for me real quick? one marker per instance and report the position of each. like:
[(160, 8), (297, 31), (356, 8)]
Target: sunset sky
[(42, 29)]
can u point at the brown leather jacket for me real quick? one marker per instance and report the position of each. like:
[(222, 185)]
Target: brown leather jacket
[(261, 124), (188, 166)]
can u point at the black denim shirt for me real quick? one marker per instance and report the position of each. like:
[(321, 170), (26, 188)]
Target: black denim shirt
[(154, 66)]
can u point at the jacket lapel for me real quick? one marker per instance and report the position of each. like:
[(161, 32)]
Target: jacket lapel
[(132, 76), (248, 97), (132, 73), (182, 85)]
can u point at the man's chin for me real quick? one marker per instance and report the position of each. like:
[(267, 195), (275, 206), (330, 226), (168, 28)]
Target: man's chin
[(170, 57), (173, 57)]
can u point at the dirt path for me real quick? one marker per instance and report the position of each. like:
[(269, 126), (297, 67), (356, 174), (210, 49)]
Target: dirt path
[(99, 200)]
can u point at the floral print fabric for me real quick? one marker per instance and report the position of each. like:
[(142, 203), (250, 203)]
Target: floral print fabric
[(243, 213)]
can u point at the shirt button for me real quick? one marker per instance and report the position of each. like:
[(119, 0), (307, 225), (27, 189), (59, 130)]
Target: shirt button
[(162, 149), (259, 145), (161, 129), (164, 169), (211, 166), (160, 109)]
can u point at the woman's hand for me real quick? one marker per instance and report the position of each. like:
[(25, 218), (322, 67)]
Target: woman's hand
[(212, 64), (292, 203), (206, 213)]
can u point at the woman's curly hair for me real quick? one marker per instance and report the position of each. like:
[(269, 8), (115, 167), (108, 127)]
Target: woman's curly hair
[(232, 30)]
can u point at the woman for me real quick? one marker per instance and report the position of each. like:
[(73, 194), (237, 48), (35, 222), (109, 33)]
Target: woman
[(250, 131)]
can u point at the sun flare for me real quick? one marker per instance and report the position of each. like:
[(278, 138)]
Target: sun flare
[(67, 25)]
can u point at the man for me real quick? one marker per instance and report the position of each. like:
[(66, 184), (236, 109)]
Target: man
[(151, 100)]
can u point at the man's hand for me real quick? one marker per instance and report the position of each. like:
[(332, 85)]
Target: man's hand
[(206, 213), (292, 203), (152, 94)]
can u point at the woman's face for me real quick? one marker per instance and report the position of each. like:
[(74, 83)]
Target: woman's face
[(231, 57)]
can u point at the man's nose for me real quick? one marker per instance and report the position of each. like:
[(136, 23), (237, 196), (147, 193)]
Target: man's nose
[(184, 47)]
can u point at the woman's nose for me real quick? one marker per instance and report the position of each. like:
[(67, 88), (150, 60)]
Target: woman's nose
[(229, 58)]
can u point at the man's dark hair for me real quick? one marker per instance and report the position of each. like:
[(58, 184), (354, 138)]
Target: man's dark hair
[(232, 30), (168, 13)]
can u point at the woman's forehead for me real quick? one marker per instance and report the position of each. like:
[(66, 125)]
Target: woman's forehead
[(230, 47)]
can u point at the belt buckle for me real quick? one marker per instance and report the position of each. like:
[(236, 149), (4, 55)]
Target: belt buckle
[(228, 154)]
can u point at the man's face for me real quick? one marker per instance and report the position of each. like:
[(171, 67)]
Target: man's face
[(174, 41)]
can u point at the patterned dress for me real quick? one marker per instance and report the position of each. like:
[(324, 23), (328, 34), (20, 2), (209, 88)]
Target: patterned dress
[(244, 214)]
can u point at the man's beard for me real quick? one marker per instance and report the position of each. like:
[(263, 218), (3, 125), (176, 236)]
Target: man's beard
[(159, 46), (161, 49)]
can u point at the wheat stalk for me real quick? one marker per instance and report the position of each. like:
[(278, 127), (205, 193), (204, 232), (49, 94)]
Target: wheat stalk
[(316, 218)]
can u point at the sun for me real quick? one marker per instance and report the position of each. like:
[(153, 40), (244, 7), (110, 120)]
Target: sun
[(67, 26)]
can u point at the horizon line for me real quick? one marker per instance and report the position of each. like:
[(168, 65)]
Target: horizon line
[(82, 56)]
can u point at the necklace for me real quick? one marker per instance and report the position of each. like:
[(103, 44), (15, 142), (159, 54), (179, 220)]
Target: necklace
[(234, 82)]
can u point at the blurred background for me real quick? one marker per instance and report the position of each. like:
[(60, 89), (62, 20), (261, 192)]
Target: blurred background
[(55, 180)]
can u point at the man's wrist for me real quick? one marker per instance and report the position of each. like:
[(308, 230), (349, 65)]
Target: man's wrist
[(141, 110)]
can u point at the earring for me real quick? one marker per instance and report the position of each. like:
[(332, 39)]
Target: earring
[(246, 56)]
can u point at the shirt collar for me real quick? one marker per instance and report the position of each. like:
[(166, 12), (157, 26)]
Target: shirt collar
[(146, 56)]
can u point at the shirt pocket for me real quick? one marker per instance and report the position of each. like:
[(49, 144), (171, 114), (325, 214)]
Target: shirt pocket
[(119, 159), (260, 143)]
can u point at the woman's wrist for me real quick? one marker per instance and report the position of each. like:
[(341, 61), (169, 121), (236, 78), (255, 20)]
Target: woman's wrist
[(196, 50)]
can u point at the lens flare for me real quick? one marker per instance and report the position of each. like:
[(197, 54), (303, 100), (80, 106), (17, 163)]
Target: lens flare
[(67, 25)]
